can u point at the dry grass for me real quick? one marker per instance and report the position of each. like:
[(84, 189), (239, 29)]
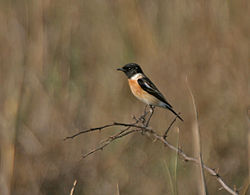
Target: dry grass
[(58, 62)]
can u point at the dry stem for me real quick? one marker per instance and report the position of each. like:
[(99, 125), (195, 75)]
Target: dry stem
[(140, 126)]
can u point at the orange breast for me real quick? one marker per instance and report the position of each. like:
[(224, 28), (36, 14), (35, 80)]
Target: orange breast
[(135, 88), (141, 94)]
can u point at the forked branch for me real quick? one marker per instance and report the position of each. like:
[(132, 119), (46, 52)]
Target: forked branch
[(141, 126)]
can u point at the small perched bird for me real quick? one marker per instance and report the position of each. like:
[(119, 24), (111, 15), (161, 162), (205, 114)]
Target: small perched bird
[(144, 89)]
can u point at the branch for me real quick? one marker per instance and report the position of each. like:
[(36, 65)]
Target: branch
[(171, 124), (89, 130), (108, 141), (139, 126), (191, 159)]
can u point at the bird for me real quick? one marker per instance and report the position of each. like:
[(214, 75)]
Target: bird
[(144, 89)]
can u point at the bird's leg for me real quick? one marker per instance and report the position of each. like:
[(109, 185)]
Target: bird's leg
[(145, 109), (152, 108), (143, 116)]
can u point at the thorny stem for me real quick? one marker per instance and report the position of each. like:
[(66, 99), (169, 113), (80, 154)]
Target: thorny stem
[(139, 126), (169, 127)]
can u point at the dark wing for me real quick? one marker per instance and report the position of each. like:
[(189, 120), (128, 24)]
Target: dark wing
[(149, 87)]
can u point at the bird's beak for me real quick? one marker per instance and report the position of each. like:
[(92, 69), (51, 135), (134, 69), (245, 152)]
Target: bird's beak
[(120, 69)]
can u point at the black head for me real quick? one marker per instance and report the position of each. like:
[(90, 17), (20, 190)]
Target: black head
[(131, 69)]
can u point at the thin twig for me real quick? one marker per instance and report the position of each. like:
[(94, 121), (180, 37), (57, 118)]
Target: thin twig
[(142, 118), (103, 127), (171, 124), (191, 159), (107, 142), (137, 128), (89, 130)]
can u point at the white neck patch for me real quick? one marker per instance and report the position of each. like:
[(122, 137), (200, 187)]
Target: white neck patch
[(137, 76)]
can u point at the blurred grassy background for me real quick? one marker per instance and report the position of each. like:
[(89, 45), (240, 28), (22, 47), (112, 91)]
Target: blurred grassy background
[(58, 63)]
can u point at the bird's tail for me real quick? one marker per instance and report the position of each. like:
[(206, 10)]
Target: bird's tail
[(171, 109)]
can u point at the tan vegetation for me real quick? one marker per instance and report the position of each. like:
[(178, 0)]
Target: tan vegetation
[(58, 76)]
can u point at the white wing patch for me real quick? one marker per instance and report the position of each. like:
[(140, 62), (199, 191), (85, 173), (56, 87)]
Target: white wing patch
[(148, 86)]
